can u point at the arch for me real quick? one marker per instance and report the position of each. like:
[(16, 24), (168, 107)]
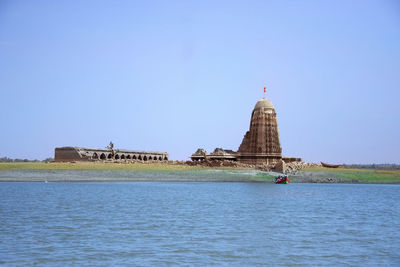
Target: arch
[(128, 157), (159, 158), (103, 156), (116, 156), (145, 158), (134, 157), (165, 158), (150, 158), (95, 156), (122, 156), (110, 156), (140, 157)]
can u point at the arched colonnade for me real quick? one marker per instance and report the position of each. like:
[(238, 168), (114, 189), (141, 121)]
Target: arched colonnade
[(126, 156)]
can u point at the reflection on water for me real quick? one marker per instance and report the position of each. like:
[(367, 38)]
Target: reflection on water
[(199, 224)]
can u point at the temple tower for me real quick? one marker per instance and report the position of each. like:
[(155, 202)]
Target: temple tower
[(261, 144)]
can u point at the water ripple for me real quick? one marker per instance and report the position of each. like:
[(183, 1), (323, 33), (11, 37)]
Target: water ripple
[(235, 224)]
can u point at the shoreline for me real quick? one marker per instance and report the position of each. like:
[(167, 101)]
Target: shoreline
[(173, 172), (194, 181)]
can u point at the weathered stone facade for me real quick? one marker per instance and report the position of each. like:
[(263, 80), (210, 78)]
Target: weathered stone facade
[(261, 144), (69, 154), (199, 155), (291, 159), (218, 154)]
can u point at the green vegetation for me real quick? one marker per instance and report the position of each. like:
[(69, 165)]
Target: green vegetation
[(97, 166), (264, 177), (384, 166), (89, 166), (312, 174), (7, 159), (355, 175), (130, 172)]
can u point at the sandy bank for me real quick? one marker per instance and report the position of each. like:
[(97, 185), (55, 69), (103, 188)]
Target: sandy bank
[(164, 172)]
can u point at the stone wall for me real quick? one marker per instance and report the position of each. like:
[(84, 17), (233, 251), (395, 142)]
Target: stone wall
[(291, 159), (257, 159), (68, 154)]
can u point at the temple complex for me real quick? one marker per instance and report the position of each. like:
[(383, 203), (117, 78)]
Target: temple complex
[(260, 145)]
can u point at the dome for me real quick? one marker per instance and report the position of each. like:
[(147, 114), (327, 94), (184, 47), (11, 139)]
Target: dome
[(264, 103)]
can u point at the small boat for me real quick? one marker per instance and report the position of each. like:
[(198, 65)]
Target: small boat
[(282, 180), (326, 165)]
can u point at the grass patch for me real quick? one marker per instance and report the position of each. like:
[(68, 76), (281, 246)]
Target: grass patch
[(102, 166), (90, 166), (315, 173), (360, 175), (101, 171), (264, 176)]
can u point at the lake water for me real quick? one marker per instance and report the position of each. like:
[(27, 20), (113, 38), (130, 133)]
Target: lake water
[(183, 223)]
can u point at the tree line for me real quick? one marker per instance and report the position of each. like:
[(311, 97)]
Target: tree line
[(385, 166), (7, 159)]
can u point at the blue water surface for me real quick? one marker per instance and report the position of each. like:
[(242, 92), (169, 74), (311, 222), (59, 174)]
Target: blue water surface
[(232, 224)]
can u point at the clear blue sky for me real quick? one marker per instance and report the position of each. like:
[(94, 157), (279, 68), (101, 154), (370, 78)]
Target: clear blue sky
[(178, 75)]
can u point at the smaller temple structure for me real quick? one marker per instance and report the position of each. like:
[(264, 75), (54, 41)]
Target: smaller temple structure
[(199, 155), (68, 154), (261, 144), (227, 154), (218, 154), (222, 154)]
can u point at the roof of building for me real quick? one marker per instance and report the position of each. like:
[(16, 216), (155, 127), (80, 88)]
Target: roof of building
[(199, 153), (264, 103)]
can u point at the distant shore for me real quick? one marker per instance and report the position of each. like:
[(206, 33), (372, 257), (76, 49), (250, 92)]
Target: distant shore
[(172, 172)]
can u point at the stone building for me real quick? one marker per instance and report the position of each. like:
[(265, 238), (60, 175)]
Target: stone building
[(69, 154), (218, 154), (199, 155), (223, 154), (260, 145)]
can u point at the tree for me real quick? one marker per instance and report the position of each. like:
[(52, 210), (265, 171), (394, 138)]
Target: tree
[(48, 160)]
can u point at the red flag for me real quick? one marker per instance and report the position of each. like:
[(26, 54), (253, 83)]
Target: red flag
[(265, 89)]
